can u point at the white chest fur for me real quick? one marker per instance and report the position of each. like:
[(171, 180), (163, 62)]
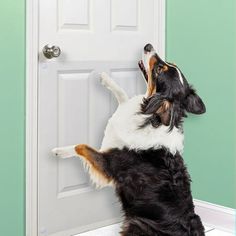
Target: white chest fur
[(123, 131)]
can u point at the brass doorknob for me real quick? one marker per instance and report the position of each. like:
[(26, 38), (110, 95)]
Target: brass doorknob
[(51, 51)]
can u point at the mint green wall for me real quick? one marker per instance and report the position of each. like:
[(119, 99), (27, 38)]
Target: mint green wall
[(201, 39), (12, 95)]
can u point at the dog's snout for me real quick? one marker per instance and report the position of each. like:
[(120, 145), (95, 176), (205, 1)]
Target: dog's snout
[(148, 48)]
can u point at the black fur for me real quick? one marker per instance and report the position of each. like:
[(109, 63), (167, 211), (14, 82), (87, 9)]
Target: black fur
[(154, 189)]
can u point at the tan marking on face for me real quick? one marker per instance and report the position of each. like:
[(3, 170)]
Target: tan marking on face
[(152, 62), (165, 68), (151, 85)]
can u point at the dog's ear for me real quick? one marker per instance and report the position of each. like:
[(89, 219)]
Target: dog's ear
[(164, 112), (160, 108), (193, 103)]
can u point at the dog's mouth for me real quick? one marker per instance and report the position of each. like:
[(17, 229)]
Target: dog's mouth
[(143, 69), (146, 65), (147, 61)]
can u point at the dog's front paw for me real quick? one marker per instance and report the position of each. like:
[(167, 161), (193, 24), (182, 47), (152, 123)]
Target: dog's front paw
[(64, 152), (105, 79)]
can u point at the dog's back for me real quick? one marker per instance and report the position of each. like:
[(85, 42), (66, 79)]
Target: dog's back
[(154, 189)]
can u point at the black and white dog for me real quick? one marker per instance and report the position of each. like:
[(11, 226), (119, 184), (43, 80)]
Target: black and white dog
[(141, 152)]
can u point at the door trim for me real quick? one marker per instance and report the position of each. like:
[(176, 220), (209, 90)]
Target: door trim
[(32, 117), (216, 215), (160, 22), (32, 50)]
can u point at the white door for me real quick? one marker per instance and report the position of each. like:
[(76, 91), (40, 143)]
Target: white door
[(94, 36)]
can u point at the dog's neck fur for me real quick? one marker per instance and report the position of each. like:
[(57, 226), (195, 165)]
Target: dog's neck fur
[(123, 130)]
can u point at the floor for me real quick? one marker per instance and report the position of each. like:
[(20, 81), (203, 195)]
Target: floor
[(113, 230)]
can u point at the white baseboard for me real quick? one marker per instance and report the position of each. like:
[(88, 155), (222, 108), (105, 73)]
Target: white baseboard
[(216, 216)]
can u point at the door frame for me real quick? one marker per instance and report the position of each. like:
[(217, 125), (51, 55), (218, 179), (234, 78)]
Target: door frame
[(31, 149), (32, 60)]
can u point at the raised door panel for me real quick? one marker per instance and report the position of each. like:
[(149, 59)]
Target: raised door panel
[(125, 15), (74, 14), (73, 125), (130, 79)]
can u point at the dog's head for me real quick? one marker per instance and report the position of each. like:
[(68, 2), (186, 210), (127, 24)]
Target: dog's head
[(168, 96)]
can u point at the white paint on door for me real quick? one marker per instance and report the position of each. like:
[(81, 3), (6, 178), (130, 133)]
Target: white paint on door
[(94, 36)]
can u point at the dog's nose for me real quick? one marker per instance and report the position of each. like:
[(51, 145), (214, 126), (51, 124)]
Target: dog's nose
[(148, 48)]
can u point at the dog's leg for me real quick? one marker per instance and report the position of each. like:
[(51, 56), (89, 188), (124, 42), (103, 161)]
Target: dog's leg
[(93, 160), (96, 163), (118, 92)]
